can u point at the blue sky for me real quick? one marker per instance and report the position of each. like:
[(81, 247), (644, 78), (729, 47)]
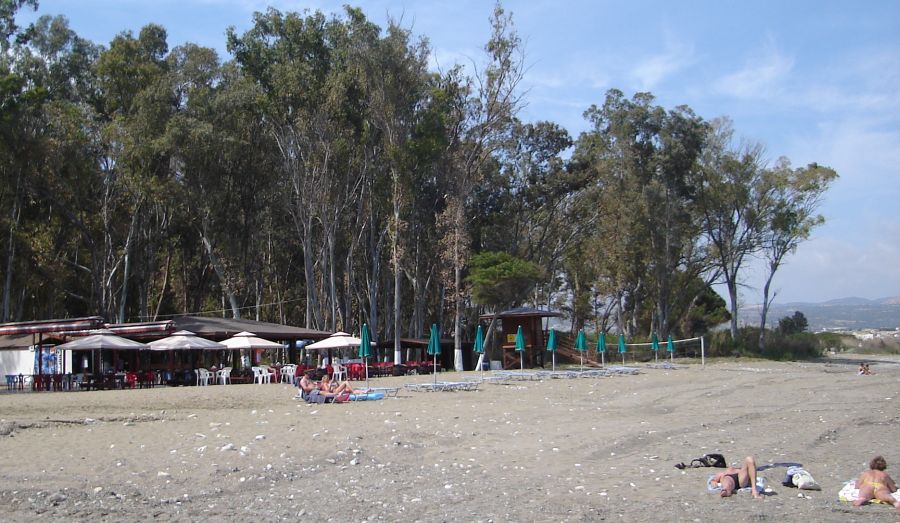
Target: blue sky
[(811, 80)]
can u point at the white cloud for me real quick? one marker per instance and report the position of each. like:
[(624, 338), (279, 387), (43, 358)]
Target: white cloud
[(761, 77), (653, 70), (826, 268)]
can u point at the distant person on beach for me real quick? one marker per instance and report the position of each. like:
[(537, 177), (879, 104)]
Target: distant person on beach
[(732, 479), (309, 389), (344, 387), (862, 370), (875, 483), (306, 384), (867, 372)]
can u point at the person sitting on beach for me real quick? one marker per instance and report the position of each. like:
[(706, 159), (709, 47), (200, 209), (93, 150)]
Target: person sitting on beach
[(862, 370), (732, 479), (344, 387), (308, 386), (310, 391), (867, 371), (875, 483)]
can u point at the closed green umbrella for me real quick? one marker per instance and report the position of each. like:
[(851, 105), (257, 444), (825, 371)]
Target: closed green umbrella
[(434, 347), (551, 345), (622, 347), (601, 347), (479, 348), (654, 344), (365, 349), (520, 347), (581, 346), (670, 346)]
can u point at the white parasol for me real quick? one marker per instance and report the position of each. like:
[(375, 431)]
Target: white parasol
[(185, 340), (247, 340), (338, 340)]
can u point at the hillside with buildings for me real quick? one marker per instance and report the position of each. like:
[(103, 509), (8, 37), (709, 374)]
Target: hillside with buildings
[(845, 314)]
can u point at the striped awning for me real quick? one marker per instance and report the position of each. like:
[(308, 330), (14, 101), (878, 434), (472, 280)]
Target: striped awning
[(57, 326), (149, 330)]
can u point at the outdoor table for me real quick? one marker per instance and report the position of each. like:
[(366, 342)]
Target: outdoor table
[(15, 381), (41, 382), (87, 382)]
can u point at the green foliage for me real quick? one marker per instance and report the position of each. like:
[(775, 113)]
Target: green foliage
[(325, 175), (499, 279), (795, 324), (707, 311), (798, 346)]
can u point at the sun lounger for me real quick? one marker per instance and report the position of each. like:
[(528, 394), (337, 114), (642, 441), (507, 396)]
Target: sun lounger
[(390, 392), (443, 386)]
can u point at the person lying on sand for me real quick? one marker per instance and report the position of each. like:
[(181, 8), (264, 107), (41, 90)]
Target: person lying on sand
[(326, 385), (875, 483), (732, 478), (308, 386)]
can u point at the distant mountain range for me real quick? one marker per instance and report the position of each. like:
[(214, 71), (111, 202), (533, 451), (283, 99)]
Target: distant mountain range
[(844, 313)]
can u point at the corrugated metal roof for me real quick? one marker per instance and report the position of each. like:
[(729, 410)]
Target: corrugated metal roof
[(522, 312)]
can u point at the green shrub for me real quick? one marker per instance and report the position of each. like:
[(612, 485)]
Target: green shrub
[(799, 346), (781, 347)]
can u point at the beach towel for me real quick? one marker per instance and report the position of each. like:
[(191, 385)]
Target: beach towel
[(369, 396), (798, 477), (849, 492), (760, 486)]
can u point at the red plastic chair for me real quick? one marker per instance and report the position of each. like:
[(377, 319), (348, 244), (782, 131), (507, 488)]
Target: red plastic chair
[(130, 380)]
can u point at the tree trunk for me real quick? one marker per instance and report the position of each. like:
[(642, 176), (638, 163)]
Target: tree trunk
[(312, 306), (332, 283), (395, 261), (733, 299), (11, 249), (165, 283), (220, 272), (126, 270), (457, 310), (765, 309)]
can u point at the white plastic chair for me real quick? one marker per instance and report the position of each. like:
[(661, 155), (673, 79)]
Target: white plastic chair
[(223, 377), (339, 372), (257, 375), (261, 375), (288, 372), (203, 377), (270, 374)]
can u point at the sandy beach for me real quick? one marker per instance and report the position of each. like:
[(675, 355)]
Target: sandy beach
[(589, 449)]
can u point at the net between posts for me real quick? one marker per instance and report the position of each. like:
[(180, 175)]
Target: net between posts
[(688, 348)]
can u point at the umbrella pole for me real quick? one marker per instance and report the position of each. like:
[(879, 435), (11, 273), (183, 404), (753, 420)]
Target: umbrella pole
[(582, 362), (554, 361), (366, 365), (603, 359)]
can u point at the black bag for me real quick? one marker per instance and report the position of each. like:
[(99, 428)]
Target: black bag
[(708, 460)]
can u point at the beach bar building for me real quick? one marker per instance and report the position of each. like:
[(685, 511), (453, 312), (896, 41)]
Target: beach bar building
[(28, 353), (535, 331)]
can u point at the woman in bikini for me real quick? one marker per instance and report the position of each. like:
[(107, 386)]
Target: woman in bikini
[(875, 483), (735, 478), (326, 385)]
